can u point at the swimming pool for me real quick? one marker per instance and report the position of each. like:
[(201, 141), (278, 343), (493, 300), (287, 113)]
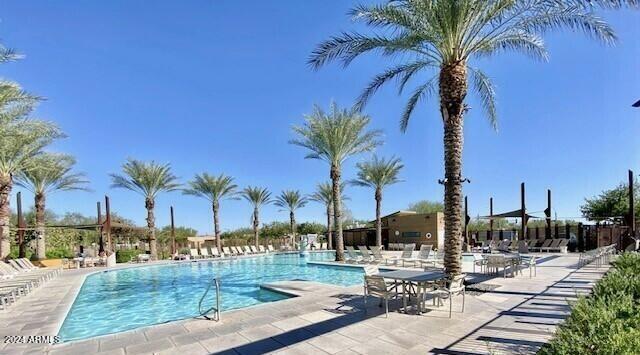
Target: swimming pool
[(119, 300)]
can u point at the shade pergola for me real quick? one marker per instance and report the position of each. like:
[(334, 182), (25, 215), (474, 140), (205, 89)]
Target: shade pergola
[(511, 214)]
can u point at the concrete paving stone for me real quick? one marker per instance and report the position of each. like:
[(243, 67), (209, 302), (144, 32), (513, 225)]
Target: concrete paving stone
[(118, 351), (149, 347), (261, 332), (224, 329), (261, 320), (164, 331), (224, 342), (333, 342), (360, 332), (293, 337), (377, 346), (291, 323), (301, 349), (189, 349), (402, 338), (318, 316), (259, 347), (193, 337)]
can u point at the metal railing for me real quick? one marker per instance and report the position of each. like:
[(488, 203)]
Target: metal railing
[(216, 307)]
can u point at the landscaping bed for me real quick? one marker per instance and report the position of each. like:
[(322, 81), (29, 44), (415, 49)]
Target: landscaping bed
[(607, 321)]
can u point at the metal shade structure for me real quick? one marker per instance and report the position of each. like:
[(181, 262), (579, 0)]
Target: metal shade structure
[(637, 104)]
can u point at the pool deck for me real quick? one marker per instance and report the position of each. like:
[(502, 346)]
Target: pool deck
[(518, 316)]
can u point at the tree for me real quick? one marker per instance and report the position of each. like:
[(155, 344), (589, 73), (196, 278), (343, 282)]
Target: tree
[(377, 174), (48, 173), (214, 189), (612, 203), (324, 195), (147, 179), (21, 139), (445, 37), (333, 137), (291, 200), (258, 197), (426, 206)]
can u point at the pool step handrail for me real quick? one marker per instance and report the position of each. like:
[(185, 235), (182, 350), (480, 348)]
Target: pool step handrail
[(216, 308)]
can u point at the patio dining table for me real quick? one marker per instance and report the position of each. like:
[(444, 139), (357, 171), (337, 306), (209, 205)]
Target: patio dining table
[(410, 278)]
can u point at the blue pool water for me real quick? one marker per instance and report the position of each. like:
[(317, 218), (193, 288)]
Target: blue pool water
[(120, 300)]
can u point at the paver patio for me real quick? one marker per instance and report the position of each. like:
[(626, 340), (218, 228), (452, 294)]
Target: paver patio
[(516, 317)]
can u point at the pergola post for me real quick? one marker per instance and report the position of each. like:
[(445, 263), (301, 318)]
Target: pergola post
[(632, 209), (523, 227), (173, 234), (491, 217), (466, 221), (107, 222), (547, 213), (100, 229)]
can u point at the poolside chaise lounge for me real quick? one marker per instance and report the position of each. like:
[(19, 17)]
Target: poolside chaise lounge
[(352, 256), (215, 253), (407, 253), (262, 249), (365, 254), (270, 248), (545, 245), (236, 250), (194, 254), (553, 246), (423, 256), (246, 249), (254, 250), (204, 253), (377, 254), (21, 270), (27, 265), (227, 252)]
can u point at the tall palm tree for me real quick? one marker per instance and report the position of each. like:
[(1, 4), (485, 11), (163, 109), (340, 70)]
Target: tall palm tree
[(214, 189), (21, 139), (333, 137), (378, 173), (49, 172), (148, 179), (291, 200), (258, 197), (445, 37), (324, 195)]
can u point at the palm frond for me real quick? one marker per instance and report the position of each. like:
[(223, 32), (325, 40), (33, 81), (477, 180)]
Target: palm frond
[(487, 94), (212, 188), (378, 173), (291, 200), (145, 178), (421, 92)]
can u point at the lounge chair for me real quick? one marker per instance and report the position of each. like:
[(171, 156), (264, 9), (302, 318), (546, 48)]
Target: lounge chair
[(522, 247), (366, 255), (352, 256), (423, 256), (407, 253), (204, 253), (554, 246), (254, 250), (377, 255), (28, 266), (546, 244), (22, 271), (227, 252), (323, 246), (270, 248), (246, 249), (194, 254), (215, 253)]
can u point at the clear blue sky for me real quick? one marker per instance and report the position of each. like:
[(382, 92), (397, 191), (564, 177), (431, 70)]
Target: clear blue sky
[(216, 85)]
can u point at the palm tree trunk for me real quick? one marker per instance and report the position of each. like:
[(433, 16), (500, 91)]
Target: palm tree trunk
[(329, 234), (151, 225), (453, 89), (256, 225), (337, 208), (216, 224), (378, 220), (292, 221), (6, 184), (40, 202)]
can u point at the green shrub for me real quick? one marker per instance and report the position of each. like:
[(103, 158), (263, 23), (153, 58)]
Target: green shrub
[(124, 256), (59, 253), (608, 321)]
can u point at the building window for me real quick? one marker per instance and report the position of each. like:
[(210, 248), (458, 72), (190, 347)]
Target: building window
[(410, 234)]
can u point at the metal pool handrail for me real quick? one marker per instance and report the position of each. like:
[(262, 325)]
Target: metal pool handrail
[(215, 308)]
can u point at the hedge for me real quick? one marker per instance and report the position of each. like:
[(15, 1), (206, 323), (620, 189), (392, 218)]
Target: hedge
[(124, 256), (607, 321)]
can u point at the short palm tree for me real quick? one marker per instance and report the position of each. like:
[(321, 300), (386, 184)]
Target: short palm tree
[(378, 173), (21, 139), (258, 197), (148, 179), (445, 37), (214, 189), (291, 200), (324, 195), (333, 137), (49, 173)]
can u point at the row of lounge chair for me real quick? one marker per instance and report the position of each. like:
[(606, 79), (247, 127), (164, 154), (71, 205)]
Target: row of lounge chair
[(230, 251), (426, 256), (524, 246), (19, 277), (600, 256)]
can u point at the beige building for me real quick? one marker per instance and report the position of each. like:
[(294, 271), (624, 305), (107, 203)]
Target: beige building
[(402, 227)]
